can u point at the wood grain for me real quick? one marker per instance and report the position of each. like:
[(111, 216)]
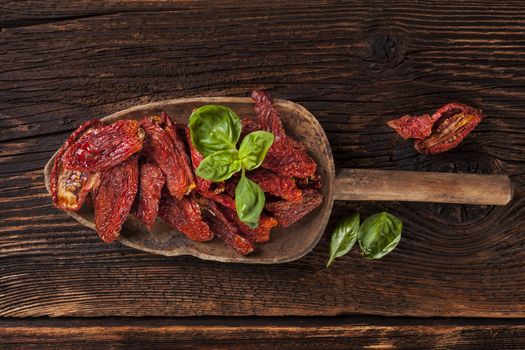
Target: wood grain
[(262, 333), (354, 65)]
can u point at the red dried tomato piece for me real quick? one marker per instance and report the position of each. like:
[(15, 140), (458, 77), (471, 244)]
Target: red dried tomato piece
[(164, 147), (151, 182), (180, 148), (185, 216), (310, 182), (224, 228), (248, 126), (221, 198), (295, 144), (268, 116), (412, 127), (196, 159), (290, 163), (69, 188), (104, 146), (286, 156), (452, 123), (288, 213), (113, 198), (276, 185), (259, 234)]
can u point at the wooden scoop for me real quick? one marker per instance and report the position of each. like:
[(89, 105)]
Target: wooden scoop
[(291, 243)]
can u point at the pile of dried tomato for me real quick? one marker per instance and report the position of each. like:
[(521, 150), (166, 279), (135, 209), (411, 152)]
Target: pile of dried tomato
[(147, 168)]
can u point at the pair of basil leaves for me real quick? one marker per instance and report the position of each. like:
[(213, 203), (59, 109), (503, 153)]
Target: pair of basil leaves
[(215, 132), (378, 235)]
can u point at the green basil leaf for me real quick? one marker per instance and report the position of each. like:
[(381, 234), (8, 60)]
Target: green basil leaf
[(344, 237), (379, 235), (249, 201), (219, 166), (254, 147), (214, 128)]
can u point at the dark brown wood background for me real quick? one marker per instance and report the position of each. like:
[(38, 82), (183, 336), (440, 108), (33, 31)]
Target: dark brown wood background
[(354, 65)]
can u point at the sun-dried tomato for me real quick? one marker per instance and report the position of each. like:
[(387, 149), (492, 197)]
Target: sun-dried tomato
[(310, 182), (453, 123), (196, 159), (69, 188), (221, 198), (113, 198), (224, 228), (408, 127), (440, 132), (276, 185), (151, 182), (105, 146), (185, 216), (288, 213), (259, 234), (162, 147), (268, 116), (249, 125), (286, 156), (180, 148)]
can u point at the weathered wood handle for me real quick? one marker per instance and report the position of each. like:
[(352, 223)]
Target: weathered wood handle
[(412, 186)]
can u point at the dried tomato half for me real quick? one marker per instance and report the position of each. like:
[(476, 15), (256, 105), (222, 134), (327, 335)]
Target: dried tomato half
[(286, 156), (408, 127), (196, 159), (180, 149), (288, 213), (113, 198), (151, 182), (259, 234), (224, 228), (453, 123), (440, 132), (163, 146), (249, 125), (221, 198), (105, 146), (185, 216), (69, 188), (276, 185)]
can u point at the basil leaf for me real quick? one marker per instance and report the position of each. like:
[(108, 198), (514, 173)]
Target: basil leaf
[(344, 237), (379, 235), (219, 166), (254, 147), (249, 201), (214, 128)]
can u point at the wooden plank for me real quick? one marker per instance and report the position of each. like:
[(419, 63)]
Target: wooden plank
[(227, 333), (355, 67)]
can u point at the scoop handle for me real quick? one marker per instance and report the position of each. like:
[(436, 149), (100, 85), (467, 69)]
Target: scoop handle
[(412, 186)]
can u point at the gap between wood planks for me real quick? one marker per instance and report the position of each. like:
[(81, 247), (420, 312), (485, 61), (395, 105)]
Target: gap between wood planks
[(259, 321)]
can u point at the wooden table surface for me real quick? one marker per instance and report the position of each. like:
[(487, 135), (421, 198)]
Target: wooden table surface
[(456, 280)]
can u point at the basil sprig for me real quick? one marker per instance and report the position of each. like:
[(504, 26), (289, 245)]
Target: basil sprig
[(215, 131), (378, 235)]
